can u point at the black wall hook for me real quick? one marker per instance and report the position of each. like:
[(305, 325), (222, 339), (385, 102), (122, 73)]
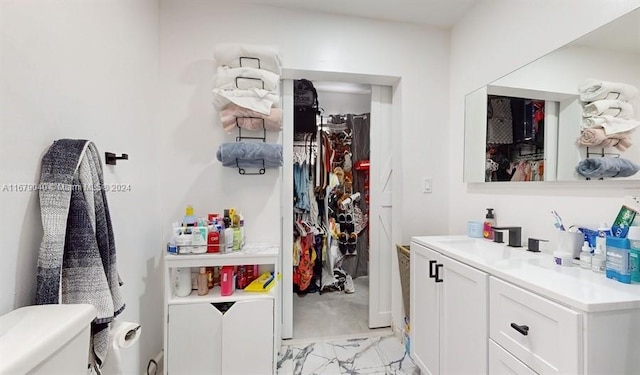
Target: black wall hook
[(110, 158)]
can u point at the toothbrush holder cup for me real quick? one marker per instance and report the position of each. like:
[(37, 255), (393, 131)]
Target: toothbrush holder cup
[(569, 242)]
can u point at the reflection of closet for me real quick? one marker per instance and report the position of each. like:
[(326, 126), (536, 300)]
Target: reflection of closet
[(515, 139)]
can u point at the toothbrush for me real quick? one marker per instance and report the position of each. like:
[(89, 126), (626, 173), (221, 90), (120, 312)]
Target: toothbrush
[(557, 221)]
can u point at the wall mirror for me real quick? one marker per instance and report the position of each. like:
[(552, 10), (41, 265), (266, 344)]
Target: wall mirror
[(533, 124)]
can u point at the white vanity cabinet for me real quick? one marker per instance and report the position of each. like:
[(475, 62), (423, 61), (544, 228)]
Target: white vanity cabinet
[(525, 315), (448, 314), (215, 334)]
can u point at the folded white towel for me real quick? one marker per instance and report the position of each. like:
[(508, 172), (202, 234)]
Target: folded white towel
[(234, 115), (610, 124), (246, 78), (255, 56), (255, 99), (594, 89), (615, 108)]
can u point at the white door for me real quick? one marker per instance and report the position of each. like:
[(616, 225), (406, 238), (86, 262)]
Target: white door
[(287, 210), (381, 246), (194, 339), (425, 310), (247, 338), (464, 328)]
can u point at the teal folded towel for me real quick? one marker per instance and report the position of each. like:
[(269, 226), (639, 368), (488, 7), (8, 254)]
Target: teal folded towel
[(606, 167), (250, 155)]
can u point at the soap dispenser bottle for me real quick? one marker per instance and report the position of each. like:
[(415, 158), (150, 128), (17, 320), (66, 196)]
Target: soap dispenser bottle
[(489, 223)]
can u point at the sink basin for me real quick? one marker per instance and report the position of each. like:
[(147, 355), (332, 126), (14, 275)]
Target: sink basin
[(472, 245)]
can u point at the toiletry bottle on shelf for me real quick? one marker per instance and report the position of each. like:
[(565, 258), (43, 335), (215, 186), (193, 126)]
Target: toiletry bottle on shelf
[(227, 281), (242, 230), (237, 233), (228, 236), (489, 222), (585, 256), (203, 282), (189, 219), (182, 281)]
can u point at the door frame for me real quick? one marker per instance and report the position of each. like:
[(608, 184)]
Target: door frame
[(286, 258)]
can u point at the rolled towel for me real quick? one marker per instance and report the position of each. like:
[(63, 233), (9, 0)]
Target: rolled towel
[(255, 56), (610, 124), (250, 155), (606, 167), (615, 108), (250, 120), (246, 78), (254, 99), (596, 137), (595, 89)]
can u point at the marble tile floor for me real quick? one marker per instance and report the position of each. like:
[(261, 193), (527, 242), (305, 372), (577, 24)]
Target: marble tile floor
[(355, 355)]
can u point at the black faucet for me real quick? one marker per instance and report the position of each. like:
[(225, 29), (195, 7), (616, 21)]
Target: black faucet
[(515, 234)]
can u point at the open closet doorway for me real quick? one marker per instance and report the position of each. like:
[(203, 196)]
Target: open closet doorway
[(331, 198), (336, 277)]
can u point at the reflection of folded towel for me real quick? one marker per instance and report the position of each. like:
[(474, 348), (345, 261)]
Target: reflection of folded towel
[(606, 167), (595, 137), (251, 120), (246, 78), (594, 89), (615, 108), (250, 155), (255, 99), (255, 56), (610, 124)]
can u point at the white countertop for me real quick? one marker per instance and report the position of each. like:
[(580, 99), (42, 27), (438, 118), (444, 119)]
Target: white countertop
[(573, 286)]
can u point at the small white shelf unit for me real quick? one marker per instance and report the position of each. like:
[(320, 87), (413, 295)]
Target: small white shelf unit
[(265, 255)]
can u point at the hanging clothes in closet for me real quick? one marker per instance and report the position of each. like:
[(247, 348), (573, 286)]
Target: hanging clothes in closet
[(310, 229)]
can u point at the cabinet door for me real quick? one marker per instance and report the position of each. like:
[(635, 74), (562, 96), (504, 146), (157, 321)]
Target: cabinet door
[(464, 323), (194, 339), (503, 363), (247, 338), (425, 312)]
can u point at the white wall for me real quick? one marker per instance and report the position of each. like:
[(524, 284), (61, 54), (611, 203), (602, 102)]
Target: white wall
[(307, 41), (342, 103), (491, 41), (83, 69), (190, 131)]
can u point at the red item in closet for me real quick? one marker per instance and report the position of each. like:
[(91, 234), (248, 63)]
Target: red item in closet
[(363, 166)]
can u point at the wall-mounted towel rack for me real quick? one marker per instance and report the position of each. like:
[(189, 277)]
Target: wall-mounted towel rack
[(601, 153), (110, 158), (242, 171), (240, 137), (242, 58)]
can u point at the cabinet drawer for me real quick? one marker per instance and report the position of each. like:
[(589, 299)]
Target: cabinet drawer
[(543, 335), (503, 363)]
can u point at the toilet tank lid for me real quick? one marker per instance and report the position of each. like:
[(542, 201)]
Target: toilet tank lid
[(30, 334)]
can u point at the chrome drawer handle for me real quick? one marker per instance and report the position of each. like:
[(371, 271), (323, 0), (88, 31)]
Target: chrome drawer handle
[(524, 330)]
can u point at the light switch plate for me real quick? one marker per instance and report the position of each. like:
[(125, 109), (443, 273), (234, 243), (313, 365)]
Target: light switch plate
[(426, 184)]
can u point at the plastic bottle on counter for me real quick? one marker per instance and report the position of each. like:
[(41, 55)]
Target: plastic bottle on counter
[(585, 256), (489, 222), (634, 253), (617, 264)]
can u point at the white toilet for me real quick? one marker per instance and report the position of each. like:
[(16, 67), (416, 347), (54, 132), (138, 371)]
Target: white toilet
[(46, 339)]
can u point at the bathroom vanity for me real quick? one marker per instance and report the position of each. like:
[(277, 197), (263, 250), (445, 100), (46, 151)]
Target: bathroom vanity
[(482, 307)]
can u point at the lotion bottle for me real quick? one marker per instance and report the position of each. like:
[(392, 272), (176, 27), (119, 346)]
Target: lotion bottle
[(203, 282), (489, 222)]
